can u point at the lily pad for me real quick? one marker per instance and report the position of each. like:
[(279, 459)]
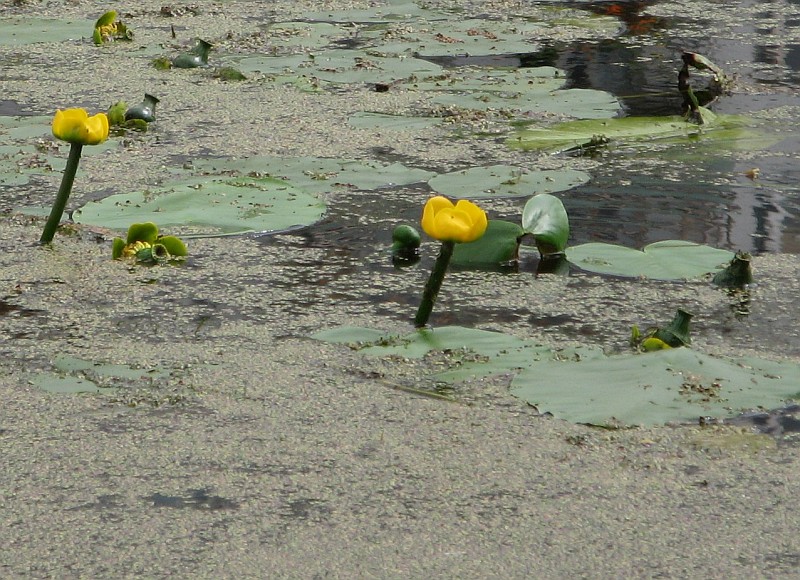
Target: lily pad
[(647, 389), (64, 384), (213, 206), (499, 245), (20, 31), (726, 130), (316, 174), (583, 385), (666, 260), (505, 181), (367, 120), (580, 103), (545, 217)]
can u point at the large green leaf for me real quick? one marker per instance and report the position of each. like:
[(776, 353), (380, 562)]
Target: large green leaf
[(724, 129), (318, 174), (499, 245), (666, 260), (211, 207), (583, 385), (544, 216), (646, 389), (505, 181), (19, 31)]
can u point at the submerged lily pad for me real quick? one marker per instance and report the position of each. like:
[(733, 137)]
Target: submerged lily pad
[(666, 260), (505, 181), (214, 206)]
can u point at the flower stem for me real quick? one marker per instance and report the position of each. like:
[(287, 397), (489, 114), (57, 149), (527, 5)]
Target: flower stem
[(434, 283), (63, 193)]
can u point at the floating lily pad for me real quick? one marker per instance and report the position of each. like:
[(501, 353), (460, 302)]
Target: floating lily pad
[(340, 66), (583, 385), (19, 31), (505, 181), (666, 260), (728, 131), (316, 174), (64, 384), (367, 120), (212, 206), (647, 389), (580, 103), (420, 342)]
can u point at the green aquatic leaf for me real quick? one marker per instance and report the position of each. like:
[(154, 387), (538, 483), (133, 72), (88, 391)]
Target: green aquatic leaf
[(173, 245), (505, 181), (729, 131), (210, 207), (143, 232), (499, 245), (580, 103), (106, 19), (583, 385), (665, 260), (677, 384), (17, 31), (546, 219), (64, 384), (317, 174)]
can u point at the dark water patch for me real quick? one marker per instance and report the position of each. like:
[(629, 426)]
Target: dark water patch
[(197, 499), (783, 423)]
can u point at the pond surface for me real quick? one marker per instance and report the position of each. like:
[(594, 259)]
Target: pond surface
[(640, 195)]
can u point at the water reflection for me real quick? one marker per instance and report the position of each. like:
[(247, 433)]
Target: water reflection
[(700, 198)]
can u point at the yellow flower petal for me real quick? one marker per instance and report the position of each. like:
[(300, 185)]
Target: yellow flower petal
[(76, 126), (462, 222)]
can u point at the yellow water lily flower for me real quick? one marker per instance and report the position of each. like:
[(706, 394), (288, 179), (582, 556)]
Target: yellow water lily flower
[(446, 222), (77, 127)]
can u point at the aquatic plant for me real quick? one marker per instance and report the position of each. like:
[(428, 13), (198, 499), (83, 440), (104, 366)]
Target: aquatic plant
[(108, 28), (451, 224), (77, 128), (145, 111), (197, 56), (144, 245), (405, 245), (674, 335)]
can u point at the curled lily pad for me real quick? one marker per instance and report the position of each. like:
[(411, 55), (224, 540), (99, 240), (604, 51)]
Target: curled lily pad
[(197, 56), (546, 219), (144, 232), (737, 273)]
